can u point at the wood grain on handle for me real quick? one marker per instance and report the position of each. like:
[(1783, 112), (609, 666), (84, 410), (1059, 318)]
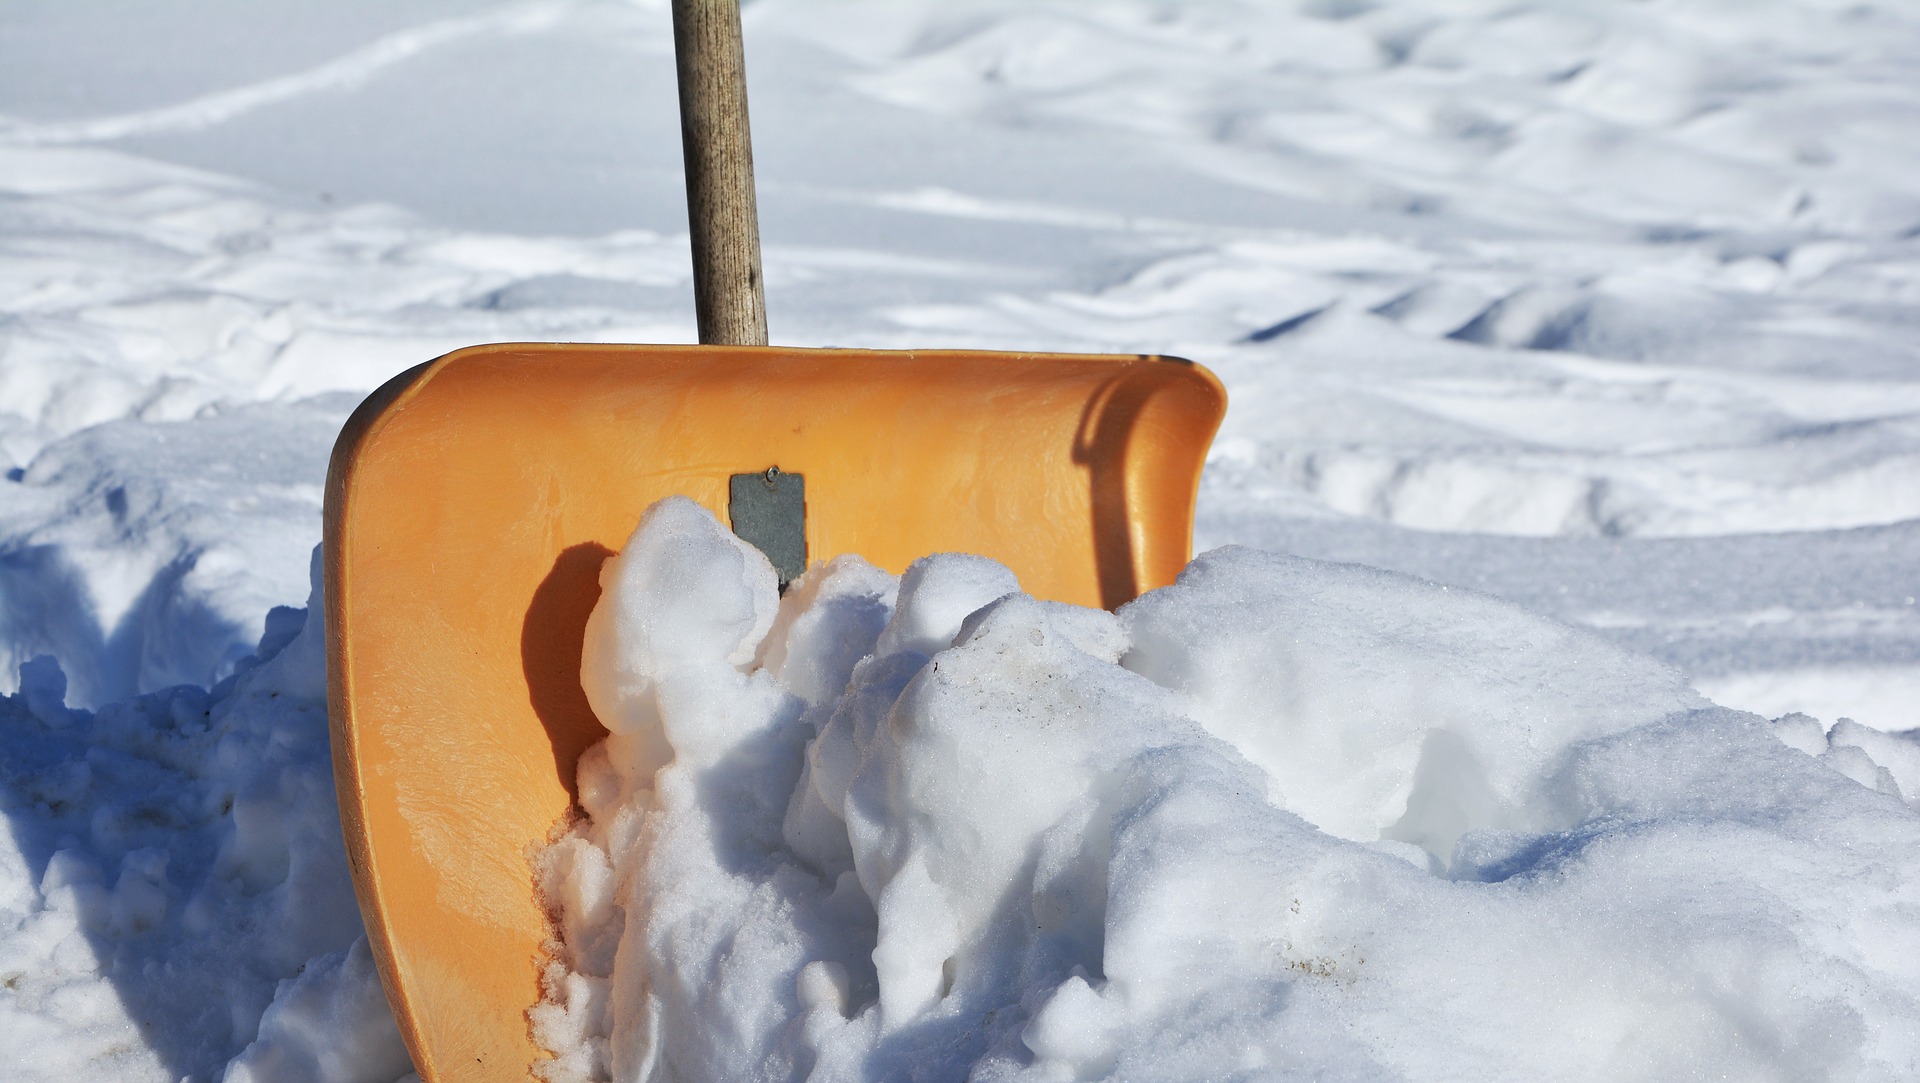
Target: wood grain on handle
[(727, 290)]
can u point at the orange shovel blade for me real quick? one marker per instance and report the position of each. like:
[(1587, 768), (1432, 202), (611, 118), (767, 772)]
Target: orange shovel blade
[(472, 500)]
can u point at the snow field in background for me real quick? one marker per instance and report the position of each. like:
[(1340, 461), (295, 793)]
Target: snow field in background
[(1282, 817), (1603, 309), (1560, 271)]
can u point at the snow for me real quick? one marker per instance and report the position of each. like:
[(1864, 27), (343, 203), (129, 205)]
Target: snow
[(1281, 818), (175, 871), (1605, 310)]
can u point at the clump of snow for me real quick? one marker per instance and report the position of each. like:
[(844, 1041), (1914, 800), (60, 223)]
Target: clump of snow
[(1282, 817), (1604, 309), (185, 847), (1383, 707)]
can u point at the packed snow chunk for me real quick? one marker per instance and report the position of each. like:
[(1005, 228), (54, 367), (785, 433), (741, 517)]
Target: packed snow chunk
[(940, 593), (1384, 707), (1283, 818), (701, 601), (1887, 762), (990, 788)]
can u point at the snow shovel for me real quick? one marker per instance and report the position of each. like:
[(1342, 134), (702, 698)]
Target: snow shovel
[(471, 501)]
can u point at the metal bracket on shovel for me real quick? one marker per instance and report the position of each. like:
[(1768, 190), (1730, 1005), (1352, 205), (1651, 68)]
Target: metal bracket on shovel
[(769, 512)]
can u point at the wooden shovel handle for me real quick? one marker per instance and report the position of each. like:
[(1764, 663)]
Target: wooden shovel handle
[(727, 291)]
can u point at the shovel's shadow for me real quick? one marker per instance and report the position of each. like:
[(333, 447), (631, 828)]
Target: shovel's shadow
[(551, 638)]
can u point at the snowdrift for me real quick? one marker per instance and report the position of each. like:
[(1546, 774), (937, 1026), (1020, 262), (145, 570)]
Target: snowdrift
[(1281, 818)]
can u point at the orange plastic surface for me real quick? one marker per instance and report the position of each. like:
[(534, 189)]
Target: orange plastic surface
[(472, 500)]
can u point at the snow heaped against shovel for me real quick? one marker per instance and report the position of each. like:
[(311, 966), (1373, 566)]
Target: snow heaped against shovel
[(1604, 309), (1282, 818)]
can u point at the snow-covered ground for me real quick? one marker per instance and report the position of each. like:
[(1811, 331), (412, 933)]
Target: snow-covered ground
[(1609, 309)]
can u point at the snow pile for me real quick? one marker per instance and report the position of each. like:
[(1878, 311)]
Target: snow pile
[(1604, 309), (1284, 816), (185, 847)]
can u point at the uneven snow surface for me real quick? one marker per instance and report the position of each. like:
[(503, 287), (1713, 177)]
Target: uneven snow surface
[(1609, 310), (1283, 818)]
